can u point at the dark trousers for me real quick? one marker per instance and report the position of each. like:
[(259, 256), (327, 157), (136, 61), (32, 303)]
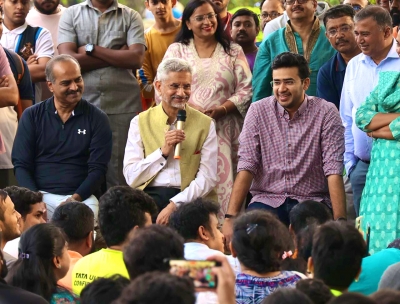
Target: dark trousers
[(357, 180), (161, 196), (282, 212)]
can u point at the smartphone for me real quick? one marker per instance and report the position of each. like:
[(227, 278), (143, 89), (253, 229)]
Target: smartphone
[(199, 271)]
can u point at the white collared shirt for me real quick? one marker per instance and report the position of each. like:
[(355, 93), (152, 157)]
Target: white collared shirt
[(138, 169), (43, 47)]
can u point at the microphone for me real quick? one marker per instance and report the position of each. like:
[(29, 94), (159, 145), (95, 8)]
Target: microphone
[(181, 118)]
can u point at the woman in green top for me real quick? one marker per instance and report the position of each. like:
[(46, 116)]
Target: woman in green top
[(379, 116)]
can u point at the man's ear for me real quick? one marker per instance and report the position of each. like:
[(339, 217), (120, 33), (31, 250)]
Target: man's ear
[(306, 84), (89, 240), (203, 234), (157, 85), (50, 86), (310, 266)]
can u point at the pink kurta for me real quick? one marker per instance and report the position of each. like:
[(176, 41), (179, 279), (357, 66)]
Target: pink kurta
[(216, 80)]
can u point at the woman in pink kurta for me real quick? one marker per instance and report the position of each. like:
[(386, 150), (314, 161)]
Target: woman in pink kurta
[(221, 84)]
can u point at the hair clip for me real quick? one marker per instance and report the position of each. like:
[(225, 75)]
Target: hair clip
[(287, 254), (24, 256), (250, 228)]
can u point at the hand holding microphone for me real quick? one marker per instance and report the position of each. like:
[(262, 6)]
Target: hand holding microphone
[(173, 138)]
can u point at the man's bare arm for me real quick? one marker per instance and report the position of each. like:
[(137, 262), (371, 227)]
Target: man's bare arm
[(337, 194), (8, 92)]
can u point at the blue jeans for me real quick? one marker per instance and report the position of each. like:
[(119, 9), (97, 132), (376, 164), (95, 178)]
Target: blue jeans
[(282, 212), (357, 179)]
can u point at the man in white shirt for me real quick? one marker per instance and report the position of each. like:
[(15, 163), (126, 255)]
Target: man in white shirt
[(373, 31), (46, 14), (32, 44), (149, 162), (30, 206)]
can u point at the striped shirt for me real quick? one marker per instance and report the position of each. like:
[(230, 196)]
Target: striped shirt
[(291, 157)]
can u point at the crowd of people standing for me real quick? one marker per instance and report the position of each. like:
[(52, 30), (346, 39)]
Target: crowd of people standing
[(123, 147)]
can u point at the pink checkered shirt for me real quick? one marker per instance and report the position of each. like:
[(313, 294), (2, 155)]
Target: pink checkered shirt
[(291, 157)]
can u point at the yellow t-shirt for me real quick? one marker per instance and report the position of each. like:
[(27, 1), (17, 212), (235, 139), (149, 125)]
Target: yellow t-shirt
[(103, 263), (157, 44)]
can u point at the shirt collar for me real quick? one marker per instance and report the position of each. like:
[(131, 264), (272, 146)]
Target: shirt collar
[(340, 63), (19, 30), (114, 6), (282, 112), (52, 108), (392, 53)]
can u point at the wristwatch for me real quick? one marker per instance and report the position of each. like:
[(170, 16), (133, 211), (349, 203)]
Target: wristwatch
[(89, 49)]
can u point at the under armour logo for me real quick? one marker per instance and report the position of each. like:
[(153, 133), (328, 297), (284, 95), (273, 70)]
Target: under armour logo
[(82, 131)]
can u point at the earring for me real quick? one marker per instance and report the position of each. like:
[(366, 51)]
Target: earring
[(356, 280)]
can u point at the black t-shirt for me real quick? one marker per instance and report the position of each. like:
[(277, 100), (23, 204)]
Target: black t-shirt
[(13, 295)]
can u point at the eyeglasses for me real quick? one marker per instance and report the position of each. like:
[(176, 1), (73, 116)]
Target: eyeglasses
[(291, 2), (272, 15), (343, 29), (176, 87), (287, 83), (201, 18), (356, 7)]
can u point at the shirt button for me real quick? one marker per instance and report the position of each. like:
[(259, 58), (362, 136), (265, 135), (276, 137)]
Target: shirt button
[(162, 164)]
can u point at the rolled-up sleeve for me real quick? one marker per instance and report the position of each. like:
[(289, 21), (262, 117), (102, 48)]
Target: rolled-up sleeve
[(332, 142), (249, 140)]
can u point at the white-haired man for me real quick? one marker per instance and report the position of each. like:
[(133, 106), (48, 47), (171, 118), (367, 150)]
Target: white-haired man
[(149, 162)]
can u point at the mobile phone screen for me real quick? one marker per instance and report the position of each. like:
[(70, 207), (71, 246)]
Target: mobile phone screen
[(199, 271)]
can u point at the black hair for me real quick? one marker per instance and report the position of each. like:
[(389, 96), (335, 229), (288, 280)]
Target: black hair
[(308, 213), (338, 249), (23, 199), (187, 219), (149, 247), (185, 34), (352, 298), (263, 1), (3, 197), (159, 287), (120, 209), (259, 240), (394, 244), (338, 11), (104, 290), (290, 60), (246, 12), (287, 296), (386, 296), (304, 241), (377, 13), (75, 219), (315, 289), (34, 269)]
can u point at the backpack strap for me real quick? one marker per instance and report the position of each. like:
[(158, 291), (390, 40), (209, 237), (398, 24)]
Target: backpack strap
[(26, 44)]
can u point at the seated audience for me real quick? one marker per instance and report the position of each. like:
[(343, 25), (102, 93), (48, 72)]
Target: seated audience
[(287, 296), (30, 206), (158, 287), (104, 290), (261, 243), (336, 256), (245, 26), (316, 290), (13, 295), (63, 144), (197, 223), (148, 248), (150, 163), (352, 298), (373, 267), (121, 209), (76, 220), (42, 261), (391, 278), (9, 218), (386, 296)]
